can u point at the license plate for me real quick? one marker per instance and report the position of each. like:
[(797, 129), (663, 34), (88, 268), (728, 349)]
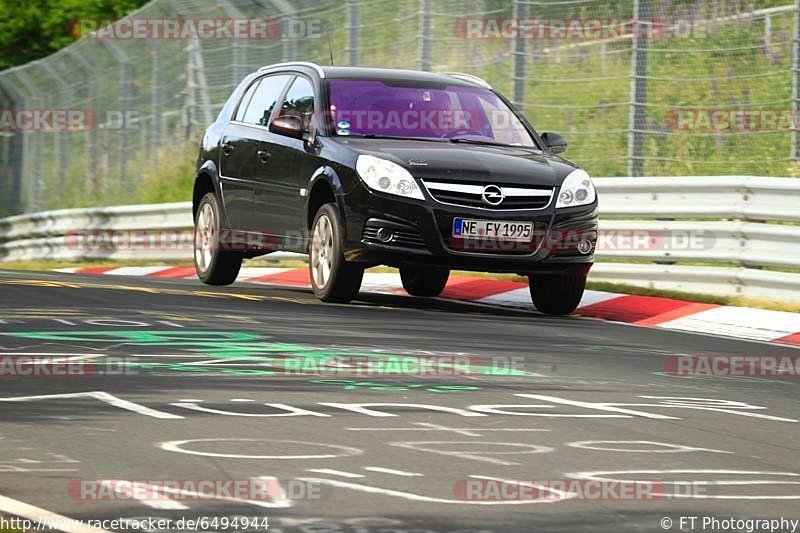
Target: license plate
[(503, 230)]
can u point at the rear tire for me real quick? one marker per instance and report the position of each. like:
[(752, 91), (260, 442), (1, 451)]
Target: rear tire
[(424, 282), (557, 294), (213, 267), (332, 278)]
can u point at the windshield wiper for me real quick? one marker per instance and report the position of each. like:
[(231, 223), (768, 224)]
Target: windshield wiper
[(377, 136), (489, 143)]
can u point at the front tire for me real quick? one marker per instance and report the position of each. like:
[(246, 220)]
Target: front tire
[(213, 267), (424, 282), (557, 294), (332, 278)]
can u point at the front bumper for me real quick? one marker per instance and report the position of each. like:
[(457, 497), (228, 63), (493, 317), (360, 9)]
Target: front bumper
[(423, 236)]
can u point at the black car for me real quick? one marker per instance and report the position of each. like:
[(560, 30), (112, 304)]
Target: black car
[(359, 167)]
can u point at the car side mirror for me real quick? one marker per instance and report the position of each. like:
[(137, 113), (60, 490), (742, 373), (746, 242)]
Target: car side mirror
[(288, 126), (554, 142)]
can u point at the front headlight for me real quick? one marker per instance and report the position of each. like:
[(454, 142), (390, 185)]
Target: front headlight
[(384, 176), (576, 190)]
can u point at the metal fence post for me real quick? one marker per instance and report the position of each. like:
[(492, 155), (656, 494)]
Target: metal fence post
[(61, 137), (198, 87), (238, 51), (125, 83), (425, 58), (33, 140), (158, 134), (288, 14), (642, 29), (518, 51), (13, 159), (796, 80), (353, 32), (91, 132)]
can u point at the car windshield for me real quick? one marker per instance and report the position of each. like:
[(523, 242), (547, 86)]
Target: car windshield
[(448, 112)]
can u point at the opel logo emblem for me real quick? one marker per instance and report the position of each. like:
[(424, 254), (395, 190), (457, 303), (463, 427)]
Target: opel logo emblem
[(493, 195)]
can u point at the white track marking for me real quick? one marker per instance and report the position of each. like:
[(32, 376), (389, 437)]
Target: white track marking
[(527, 449), (103, 397), (37, 514), (712, 404), (61, 355), (177, 446), (290, 411), (467, 432), (428, 499), (563, 495), (393, 472), (54, 459), (601, 476), (597, 406), (332, 472), (361, 408), (665, 447), (135, 271), (163, 504), (280, 501)]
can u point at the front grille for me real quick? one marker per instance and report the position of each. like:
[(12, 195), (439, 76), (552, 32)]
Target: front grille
[(402, 237), (471, 195)]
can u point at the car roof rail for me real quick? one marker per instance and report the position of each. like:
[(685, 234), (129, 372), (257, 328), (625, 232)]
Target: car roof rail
[(296, 64), (470, 78)]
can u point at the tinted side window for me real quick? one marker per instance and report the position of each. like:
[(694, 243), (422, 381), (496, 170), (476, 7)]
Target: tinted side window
[(227, 110), (246, 100), (299, 102), (264, 100)]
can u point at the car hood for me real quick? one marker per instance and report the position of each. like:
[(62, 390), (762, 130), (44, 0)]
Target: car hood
[(467, 162)]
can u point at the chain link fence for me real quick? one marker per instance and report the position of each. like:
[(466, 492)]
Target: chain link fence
[(638, 87)]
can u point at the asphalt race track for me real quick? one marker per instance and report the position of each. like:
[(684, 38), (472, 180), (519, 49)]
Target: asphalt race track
[(196, 396)]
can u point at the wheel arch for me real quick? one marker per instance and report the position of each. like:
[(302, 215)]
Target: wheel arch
[(206, 180), (324, 187)]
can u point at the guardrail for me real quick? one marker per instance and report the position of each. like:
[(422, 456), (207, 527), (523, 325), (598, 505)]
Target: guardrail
[(654, 232)]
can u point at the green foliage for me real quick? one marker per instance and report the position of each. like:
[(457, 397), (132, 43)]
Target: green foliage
[(170, 177), (31, 29)]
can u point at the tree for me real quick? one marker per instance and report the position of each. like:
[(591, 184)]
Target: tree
[(31, 29)]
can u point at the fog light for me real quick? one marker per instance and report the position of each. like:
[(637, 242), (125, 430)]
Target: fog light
[(385, 235), (585, 246)]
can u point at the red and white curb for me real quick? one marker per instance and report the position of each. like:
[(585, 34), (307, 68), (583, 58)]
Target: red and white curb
[(728, 321)]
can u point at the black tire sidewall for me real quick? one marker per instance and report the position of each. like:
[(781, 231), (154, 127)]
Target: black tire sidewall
[(424, 282), (210, 199), (224, 266), (344, 281), (557, 294)]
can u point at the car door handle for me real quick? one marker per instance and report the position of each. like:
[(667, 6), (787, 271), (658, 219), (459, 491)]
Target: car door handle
[(227, 147), (264, 156)]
